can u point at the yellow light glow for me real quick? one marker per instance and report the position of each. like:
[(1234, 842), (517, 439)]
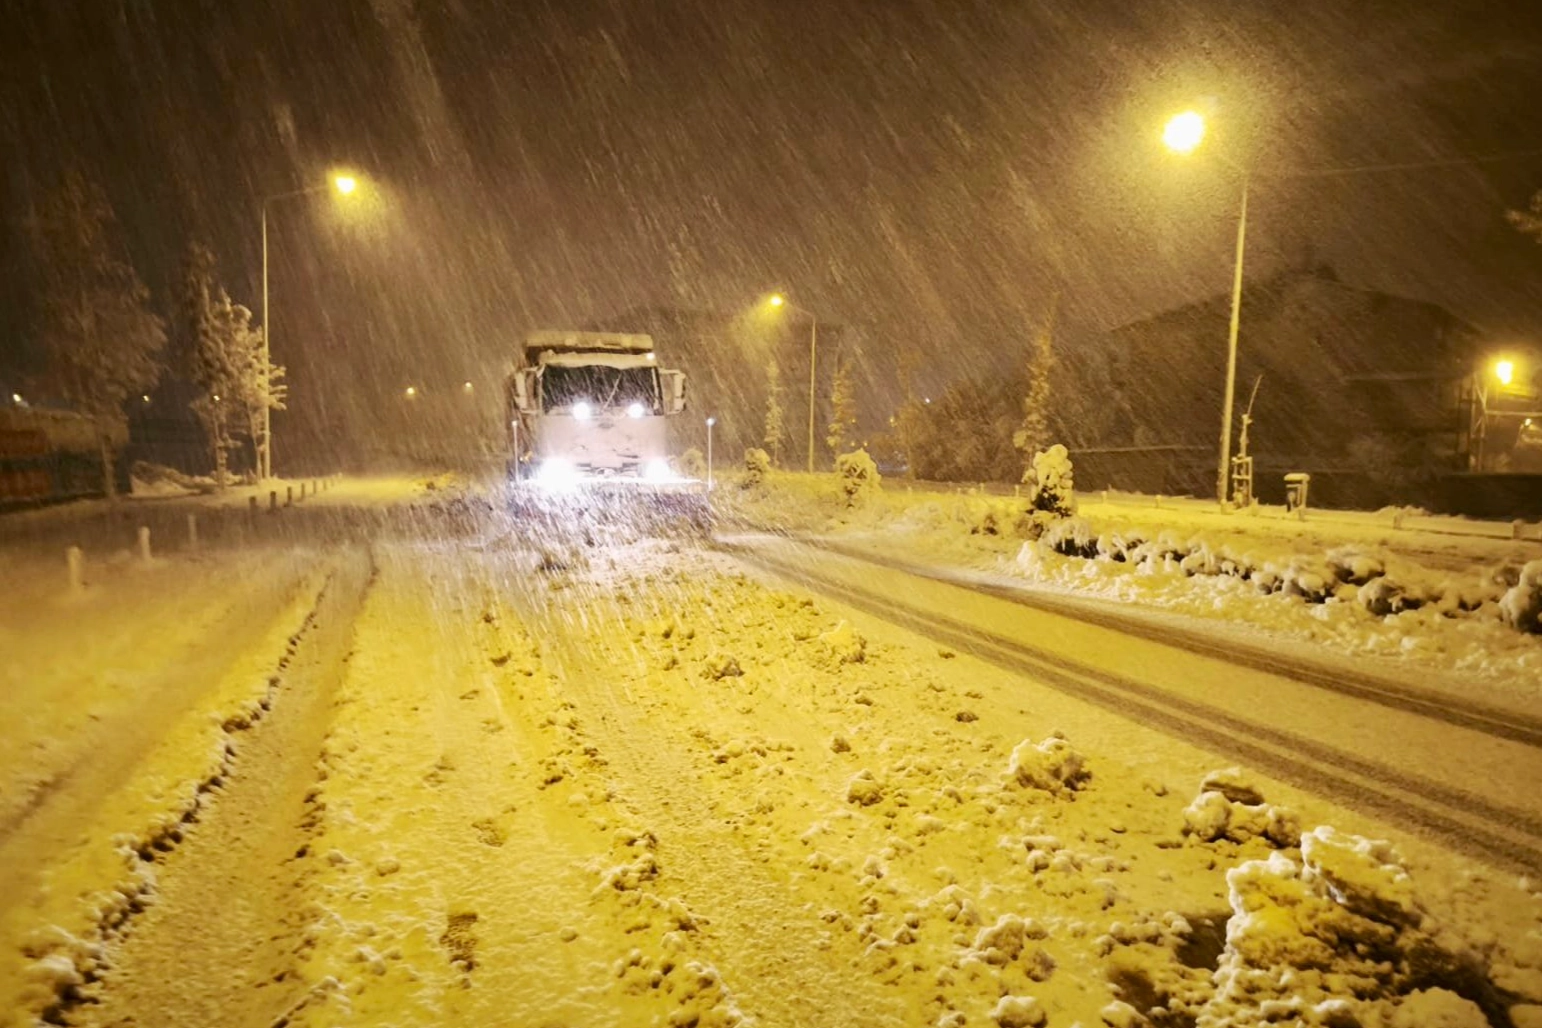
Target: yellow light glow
[(1184, 132), (410, 392), (345, 184), (777, 299), (468, 387), (1504, 370)]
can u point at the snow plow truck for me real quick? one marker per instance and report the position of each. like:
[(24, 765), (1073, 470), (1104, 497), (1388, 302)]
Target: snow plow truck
[(588, 433)]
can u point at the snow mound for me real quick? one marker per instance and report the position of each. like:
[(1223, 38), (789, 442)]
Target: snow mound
[(1337, 939), (1052, 766)]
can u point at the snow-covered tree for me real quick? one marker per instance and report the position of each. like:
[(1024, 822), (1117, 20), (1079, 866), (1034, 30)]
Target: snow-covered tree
[(1529, 221), (843, 410), (262, 389), (1032, 434), (224, 358), (776, 427), (102, 341), (220, 367)]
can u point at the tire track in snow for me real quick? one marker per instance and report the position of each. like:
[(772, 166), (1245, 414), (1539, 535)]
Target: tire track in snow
[(218, 944), (1461, 820), (1479, 717)]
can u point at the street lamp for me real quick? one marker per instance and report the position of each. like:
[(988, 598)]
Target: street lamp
[(1183, 134), (345, 186), (778, 300), (1504, 371), (710, 423)]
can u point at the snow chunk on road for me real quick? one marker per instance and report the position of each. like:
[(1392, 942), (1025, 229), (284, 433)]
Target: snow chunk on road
[(1051, 765), (1229, 806), (1018, 1012), (864, 789), (1363, 875), (844, 645)]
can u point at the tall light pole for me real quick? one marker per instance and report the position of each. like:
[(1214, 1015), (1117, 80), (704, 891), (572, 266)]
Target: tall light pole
[(710, 423), (778, 300), (344, 184), (1183, 134)]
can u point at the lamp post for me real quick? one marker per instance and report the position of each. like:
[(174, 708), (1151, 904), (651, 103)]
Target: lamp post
[(345, 185), (778, 300), (710, 423), (1182, 134)]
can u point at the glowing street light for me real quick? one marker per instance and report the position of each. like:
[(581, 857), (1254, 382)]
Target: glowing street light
[(411, 392), (345, 185), (778, 300), (710, 423), (1184, 132), (1504, 370)]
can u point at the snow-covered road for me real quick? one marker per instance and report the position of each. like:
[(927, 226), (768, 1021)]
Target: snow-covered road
[(455, 775)]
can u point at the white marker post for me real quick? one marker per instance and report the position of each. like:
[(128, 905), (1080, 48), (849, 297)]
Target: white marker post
[(75, 560), (192, 531), (144, 543)]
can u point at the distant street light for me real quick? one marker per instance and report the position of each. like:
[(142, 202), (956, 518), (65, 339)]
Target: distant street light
[(467, 387), (710, 423), (1183, 134), (345, 185), (411, 392), (778, 300), (1504, 370), (16, 399)]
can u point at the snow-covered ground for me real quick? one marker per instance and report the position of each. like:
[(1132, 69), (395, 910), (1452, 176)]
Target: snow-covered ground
[(480, 778)]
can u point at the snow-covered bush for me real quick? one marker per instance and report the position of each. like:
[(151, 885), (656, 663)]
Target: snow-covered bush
[(1071, 537), (757, 464), (859, 477), (1049, 481), (1521, 605), (691, 464)]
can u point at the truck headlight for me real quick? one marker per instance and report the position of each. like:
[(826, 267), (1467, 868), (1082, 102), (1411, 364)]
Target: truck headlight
[(636, 410), (582, 411)]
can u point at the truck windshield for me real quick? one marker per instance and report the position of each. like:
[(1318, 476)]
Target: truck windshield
[(605, 387)]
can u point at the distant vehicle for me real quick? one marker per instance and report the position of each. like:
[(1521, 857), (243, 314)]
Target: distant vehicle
[(591, 406), (52, 455)]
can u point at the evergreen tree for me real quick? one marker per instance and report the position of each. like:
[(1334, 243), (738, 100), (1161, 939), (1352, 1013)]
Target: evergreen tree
[(843, 410), (775, 416), (1032, 434), (101, 340)]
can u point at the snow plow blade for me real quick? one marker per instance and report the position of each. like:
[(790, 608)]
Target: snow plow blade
[(600, 512)]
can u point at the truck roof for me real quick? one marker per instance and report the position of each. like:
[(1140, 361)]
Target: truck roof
[(562, 341)]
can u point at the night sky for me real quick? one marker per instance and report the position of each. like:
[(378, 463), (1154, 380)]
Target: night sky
[(929, 172)]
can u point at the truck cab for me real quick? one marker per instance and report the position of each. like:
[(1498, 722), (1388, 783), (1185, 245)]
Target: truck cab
[(591, 405)]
